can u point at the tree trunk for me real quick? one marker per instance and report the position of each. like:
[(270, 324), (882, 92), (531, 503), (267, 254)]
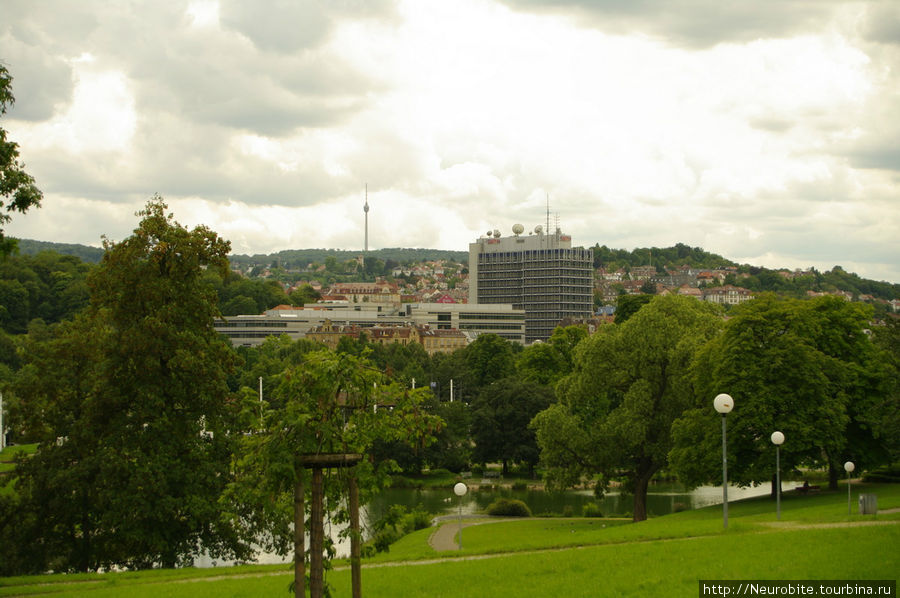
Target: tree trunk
[(316, 537), (299, 543), (772, 492), (832, 475), (355, 567), (641, 482)]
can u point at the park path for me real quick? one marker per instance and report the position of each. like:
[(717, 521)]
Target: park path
[(444, 537)]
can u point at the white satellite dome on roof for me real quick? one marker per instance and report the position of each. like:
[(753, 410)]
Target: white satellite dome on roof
[(518, 229)]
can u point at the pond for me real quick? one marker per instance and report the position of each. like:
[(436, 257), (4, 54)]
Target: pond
[(662, 499)]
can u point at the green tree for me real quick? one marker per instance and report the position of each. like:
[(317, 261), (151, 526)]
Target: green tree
[(305, 294), (628, 305), (541, 363), (136, 450), (804, 367), (487, 359), (331, 403), (501, 415), (630, 382), (885, 420), (452, 447), (18, 193)]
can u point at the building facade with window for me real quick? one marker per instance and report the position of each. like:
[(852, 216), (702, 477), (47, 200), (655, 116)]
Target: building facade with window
[(540, 273), (470, 320)]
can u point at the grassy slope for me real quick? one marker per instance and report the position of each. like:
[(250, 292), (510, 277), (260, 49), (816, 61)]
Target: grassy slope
[(663, 556)]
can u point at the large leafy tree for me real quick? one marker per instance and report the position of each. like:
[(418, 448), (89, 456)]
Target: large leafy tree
[(804, 367), (135, 447), (18, 192), (487, 359), (330, 403), (630, 382), (501, 415)]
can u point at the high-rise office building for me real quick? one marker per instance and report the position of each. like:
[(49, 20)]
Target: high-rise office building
[(540, 273)]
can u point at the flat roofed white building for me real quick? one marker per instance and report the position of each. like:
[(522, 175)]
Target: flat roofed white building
[(472, 320)]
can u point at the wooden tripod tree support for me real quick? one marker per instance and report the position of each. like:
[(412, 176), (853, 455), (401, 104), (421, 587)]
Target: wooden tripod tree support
[(319, 462)]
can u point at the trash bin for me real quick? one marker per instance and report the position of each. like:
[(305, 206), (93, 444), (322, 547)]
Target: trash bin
[(868, 504)]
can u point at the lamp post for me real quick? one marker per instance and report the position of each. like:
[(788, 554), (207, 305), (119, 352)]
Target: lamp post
[(724, 404), (460, 490), (848, 467), (777, 440)]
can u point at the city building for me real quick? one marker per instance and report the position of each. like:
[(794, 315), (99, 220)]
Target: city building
[(540, 273), (296, 322), (727, 295), (433, 341)]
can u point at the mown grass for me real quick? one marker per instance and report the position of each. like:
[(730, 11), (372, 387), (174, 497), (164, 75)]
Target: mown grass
[(577, 557), (9, 454)]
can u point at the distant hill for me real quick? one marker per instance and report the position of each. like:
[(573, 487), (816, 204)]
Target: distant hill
[(300, 258), (752, 277), (89, 254)]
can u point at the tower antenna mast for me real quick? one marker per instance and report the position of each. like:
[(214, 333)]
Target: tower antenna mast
[(548, 213), (366, 210)]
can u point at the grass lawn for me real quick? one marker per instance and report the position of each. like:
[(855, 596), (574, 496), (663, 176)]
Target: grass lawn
[(665, 556), (8, 454)]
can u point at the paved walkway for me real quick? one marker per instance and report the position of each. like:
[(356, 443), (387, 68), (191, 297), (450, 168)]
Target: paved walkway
[(444, 537)]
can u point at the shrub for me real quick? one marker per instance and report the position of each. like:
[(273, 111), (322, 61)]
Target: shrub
[(568, 511), (416, 520), (508, 507), (591, 509), (383, 539), (519, 486), (395, 524), (884, 475)]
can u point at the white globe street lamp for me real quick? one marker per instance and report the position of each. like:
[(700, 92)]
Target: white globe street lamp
[(724, 404), (778, 440), (849, 467), (460, 490)]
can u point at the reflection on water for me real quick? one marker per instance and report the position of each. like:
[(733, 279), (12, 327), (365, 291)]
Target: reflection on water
[(662, 499)]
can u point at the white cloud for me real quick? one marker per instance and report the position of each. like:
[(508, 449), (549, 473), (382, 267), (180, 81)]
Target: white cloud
[(759, 134), (100, 118)]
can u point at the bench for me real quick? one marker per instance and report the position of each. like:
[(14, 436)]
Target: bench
[(807, 488), (490, 475)]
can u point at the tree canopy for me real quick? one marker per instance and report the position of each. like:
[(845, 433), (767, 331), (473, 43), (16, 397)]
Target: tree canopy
[(134, 446), (806, 368), (18, 192), (616, 408)]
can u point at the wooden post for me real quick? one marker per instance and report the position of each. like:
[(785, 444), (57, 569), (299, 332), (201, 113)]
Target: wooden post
[(316, 537), (317, 462), (299, 543), (355, 569)]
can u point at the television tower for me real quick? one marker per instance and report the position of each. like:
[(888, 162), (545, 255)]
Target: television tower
[(366, 210)]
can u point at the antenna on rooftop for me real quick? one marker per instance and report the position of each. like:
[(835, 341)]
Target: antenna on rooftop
[(548, 213)]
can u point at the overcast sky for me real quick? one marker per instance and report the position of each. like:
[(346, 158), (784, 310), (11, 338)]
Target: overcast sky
[(764, 131)]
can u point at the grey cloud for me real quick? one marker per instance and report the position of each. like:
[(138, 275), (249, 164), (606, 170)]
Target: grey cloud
[(291, 25), (40, 82), (692, 23), (282, 26), (882, 23), (877, 147)]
